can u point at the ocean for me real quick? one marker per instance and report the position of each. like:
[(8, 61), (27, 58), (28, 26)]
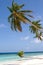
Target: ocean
[(14, 56)]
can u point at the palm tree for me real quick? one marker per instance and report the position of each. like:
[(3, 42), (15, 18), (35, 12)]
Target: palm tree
[(37, 32), (20, 54), (18, 16)]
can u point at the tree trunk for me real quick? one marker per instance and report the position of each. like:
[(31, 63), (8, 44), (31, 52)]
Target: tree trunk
[(23, 19)]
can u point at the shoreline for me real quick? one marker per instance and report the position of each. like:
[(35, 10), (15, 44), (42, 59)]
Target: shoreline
[(34, 60)]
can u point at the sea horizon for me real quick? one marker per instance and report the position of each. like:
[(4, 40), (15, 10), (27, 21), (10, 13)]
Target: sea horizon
[(24, 52)]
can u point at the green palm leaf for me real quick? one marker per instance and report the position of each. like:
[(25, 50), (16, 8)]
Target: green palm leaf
[(26, 11), (38, 35), (10, 17), (10, 9), (21, 6), (13, 24), (32, 28)]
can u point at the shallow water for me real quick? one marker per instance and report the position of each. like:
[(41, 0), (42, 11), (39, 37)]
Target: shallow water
[(14, 56)]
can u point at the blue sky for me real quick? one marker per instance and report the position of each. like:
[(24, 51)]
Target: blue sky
[(11, 41)]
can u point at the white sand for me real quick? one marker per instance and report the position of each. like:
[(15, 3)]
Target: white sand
[(35, 60)]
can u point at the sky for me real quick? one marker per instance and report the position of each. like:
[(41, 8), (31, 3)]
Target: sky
[(12, 41)]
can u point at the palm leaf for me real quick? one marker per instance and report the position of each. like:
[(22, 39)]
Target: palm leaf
[(13, 4), (19, 27), (21, 5), (10, 9), (30, 16), (26, 11), (10, 17), (13, 24), (38, 36), (33, 29)]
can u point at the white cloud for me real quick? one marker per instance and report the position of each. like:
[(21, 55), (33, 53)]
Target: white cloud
[(25, 38), (36, 41), (2, 26)]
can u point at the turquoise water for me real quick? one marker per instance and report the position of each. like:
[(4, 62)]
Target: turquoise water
[(14, 56), (4, 57)]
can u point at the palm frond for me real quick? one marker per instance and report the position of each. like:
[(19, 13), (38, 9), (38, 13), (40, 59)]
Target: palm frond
[(21, 5), (26, 19), (30, 16), (19, 27), (10, 9), (13, 4), (11, 15), (26, 11), (38, 35), (33, 29), (13, 24), (18, 24)]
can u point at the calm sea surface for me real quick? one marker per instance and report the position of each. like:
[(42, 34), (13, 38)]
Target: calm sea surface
[(14, 56)]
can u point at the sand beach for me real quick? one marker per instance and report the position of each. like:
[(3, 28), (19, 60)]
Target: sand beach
[(35, 60)]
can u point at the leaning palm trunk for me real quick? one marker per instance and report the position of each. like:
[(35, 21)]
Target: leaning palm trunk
[(25, 20), (18, 15)]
